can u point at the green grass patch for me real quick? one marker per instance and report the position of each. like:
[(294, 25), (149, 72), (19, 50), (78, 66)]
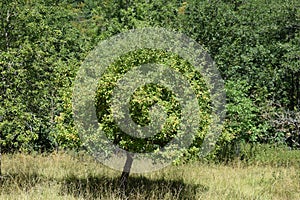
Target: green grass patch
[(71, 175)]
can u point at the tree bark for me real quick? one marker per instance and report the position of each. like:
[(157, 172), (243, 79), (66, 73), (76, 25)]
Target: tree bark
[(125, 173)]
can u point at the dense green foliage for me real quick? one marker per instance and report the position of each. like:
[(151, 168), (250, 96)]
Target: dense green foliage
[(146, 96), (40, 52), (255, 45)]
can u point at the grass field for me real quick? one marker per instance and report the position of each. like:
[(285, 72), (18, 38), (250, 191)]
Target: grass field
[(271, 175)]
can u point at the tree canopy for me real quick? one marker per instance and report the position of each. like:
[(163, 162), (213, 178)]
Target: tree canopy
[(255, 45)]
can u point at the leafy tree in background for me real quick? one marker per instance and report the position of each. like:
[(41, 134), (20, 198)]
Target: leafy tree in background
[(39, 56), (251, 41)]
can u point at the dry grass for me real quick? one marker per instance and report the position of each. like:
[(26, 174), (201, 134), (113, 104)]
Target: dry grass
[(78, 176)]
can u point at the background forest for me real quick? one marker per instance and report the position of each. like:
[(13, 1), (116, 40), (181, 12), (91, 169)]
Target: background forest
[(255, 45)]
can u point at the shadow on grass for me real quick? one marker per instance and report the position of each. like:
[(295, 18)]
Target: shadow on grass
[(138, 188), (20, 181)]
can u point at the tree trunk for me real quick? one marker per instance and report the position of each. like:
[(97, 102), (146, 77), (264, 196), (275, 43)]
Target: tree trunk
[(125, 173)]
